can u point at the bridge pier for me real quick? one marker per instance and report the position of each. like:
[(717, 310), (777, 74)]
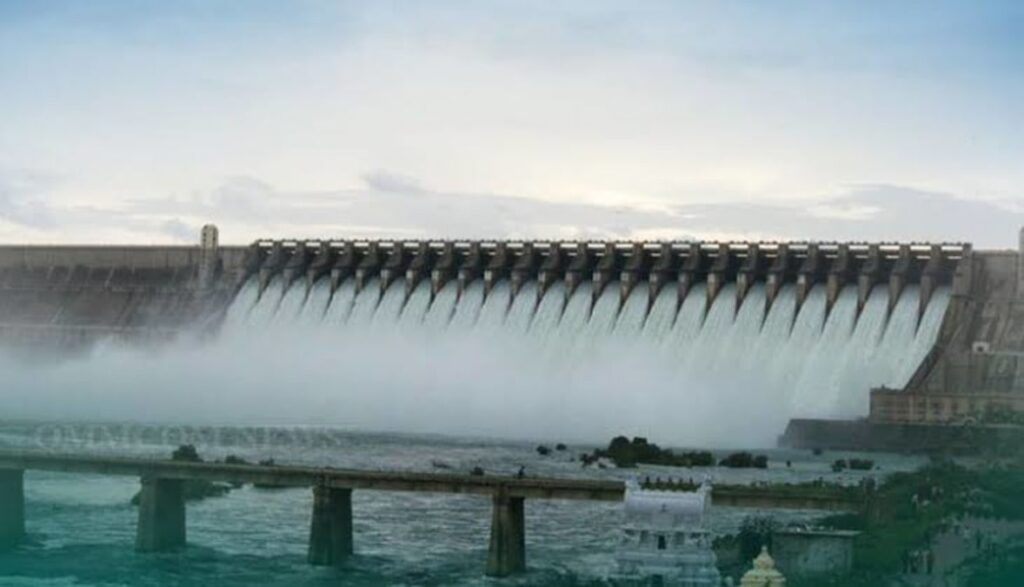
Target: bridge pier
[(161, 515), (330, 534), (12, 508), (507, 553)]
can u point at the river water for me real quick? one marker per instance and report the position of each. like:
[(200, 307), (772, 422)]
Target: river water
[(82, 526), (576, 368)]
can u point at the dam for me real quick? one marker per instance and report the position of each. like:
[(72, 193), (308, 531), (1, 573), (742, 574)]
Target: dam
[(814, 327)]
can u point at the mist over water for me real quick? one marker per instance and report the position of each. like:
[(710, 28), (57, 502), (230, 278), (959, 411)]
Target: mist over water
[(555, 366)]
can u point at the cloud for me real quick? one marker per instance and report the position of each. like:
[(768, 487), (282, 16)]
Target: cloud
[(178, 230), (466, 108), (22, 199), (383, 209), (247, 208), (385, 181), (243, 195), (872, 212)]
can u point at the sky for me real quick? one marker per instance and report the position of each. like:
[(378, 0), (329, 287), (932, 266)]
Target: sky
[(139, 121)]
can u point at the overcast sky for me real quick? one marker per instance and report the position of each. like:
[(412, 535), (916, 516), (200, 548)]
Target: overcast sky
[(135, 121)]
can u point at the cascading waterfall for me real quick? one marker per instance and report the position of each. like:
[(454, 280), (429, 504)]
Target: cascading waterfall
[(634, 312), (688, 321), (550, 311), (365, 305), (565, 334), (339, 306), (815, 361), (563, 341), (416, 308), (662, 315), (495, 308), (315, 305), (520, 314), (445, 309), (290, 306)]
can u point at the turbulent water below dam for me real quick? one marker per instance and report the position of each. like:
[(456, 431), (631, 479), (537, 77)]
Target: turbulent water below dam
[(661, 366), (551, 368), (522, 366)]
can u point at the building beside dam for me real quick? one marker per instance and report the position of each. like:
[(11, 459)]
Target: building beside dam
[(977, 363), (942, 324)]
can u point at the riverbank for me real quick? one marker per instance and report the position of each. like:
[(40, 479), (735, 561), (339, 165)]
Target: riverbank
[(944, 522)]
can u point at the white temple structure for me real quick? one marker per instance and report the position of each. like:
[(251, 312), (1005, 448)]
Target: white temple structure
[(665, 539), (764, 573)]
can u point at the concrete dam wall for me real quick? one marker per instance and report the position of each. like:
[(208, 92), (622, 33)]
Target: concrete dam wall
[(132, 290), (68, 297), (816, 325), (811, 326)]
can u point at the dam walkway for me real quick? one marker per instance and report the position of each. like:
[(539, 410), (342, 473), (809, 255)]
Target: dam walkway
[(161, 522)]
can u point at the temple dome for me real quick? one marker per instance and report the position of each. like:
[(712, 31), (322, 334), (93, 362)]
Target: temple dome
[(764, 573)]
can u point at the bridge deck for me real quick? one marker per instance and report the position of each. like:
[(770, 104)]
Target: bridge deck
[(301, 476)]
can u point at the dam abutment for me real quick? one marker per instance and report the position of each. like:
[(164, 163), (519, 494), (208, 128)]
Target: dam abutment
[(67, 297)]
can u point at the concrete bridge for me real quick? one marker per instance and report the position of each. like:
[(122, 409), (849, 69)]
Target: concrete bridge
[(161, 525)]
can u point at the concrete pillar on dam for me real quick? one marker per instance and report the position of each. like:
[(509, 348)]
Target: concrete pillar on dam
[(551, 269), (693, 269), (749, 272), (472, 266), (498, 267), (395, 265), (838, 275), (722, 271), (581, 267), (661, 271), (868, 276), (320, 265), (507, 553), (419, 267), (525, 267), (344, 265), (12, 508), (330, 534), (606, 269), (930, 276), (635, 268), (443, 269), (369, 266), (898, 276), (298, 262), (209, 255), (274, 263), (778, 273), (808, 274), (161, 515)]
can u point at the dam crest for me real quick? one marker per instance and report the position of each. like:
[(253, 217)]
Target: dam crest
[(677, 266)]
